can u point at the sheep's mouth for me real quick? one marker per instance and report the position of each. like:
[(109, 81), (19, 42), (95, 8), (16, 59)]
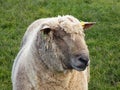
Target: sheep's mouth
[(76, 67), (79, 67)]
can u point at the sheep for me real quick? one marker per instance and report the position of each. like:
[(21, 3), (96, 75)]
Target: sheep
[(53, 56)]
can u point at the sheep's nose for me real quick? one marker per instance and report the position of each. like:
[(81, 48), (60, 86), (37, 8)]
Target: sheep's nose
[(80, 62), (83, 60)]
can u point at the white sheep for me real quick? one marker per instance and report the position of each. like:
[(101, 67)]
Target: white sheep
[(53, 56)]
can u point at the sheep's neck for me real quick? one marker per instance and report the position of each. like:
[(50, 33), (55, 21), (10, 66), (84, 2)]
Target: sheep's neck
[(71, 80)]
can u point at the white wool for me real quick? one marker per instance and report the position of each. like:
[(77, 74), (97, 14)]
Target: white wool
[(34, 73)]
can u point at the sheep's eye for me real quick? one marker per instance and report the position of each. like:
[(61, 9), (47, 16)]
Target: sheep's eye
[(46, 31)]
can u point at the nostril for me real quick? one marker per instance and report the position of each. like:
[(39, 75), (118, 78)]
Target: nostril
[(85, 61)]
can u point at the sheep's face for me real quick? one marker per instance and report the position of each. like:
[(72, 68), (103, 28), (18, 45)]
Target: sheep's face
[(74, 48), (69, 47)]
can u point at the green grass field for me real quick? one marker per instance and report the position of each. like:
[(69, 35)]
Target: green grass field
[(103, 39)]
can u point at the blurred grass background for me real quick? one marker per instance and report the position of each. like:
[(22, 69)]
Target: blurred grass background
[(103, 39)]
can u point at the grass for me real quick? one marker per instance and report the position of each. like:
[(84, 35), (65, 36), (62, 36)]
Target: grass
[(103, 39)]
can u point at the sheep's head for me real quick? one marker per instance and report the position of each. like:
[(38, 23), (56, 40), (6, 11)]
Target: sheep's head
[(62, 43)]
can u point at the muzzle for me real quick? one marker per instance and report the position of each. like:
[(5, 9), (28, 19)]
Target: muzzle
[(80, 62)]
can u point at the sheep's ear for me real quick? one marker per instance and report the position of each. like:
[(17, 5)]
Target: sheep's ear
[(87, 25), (46, 29)]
